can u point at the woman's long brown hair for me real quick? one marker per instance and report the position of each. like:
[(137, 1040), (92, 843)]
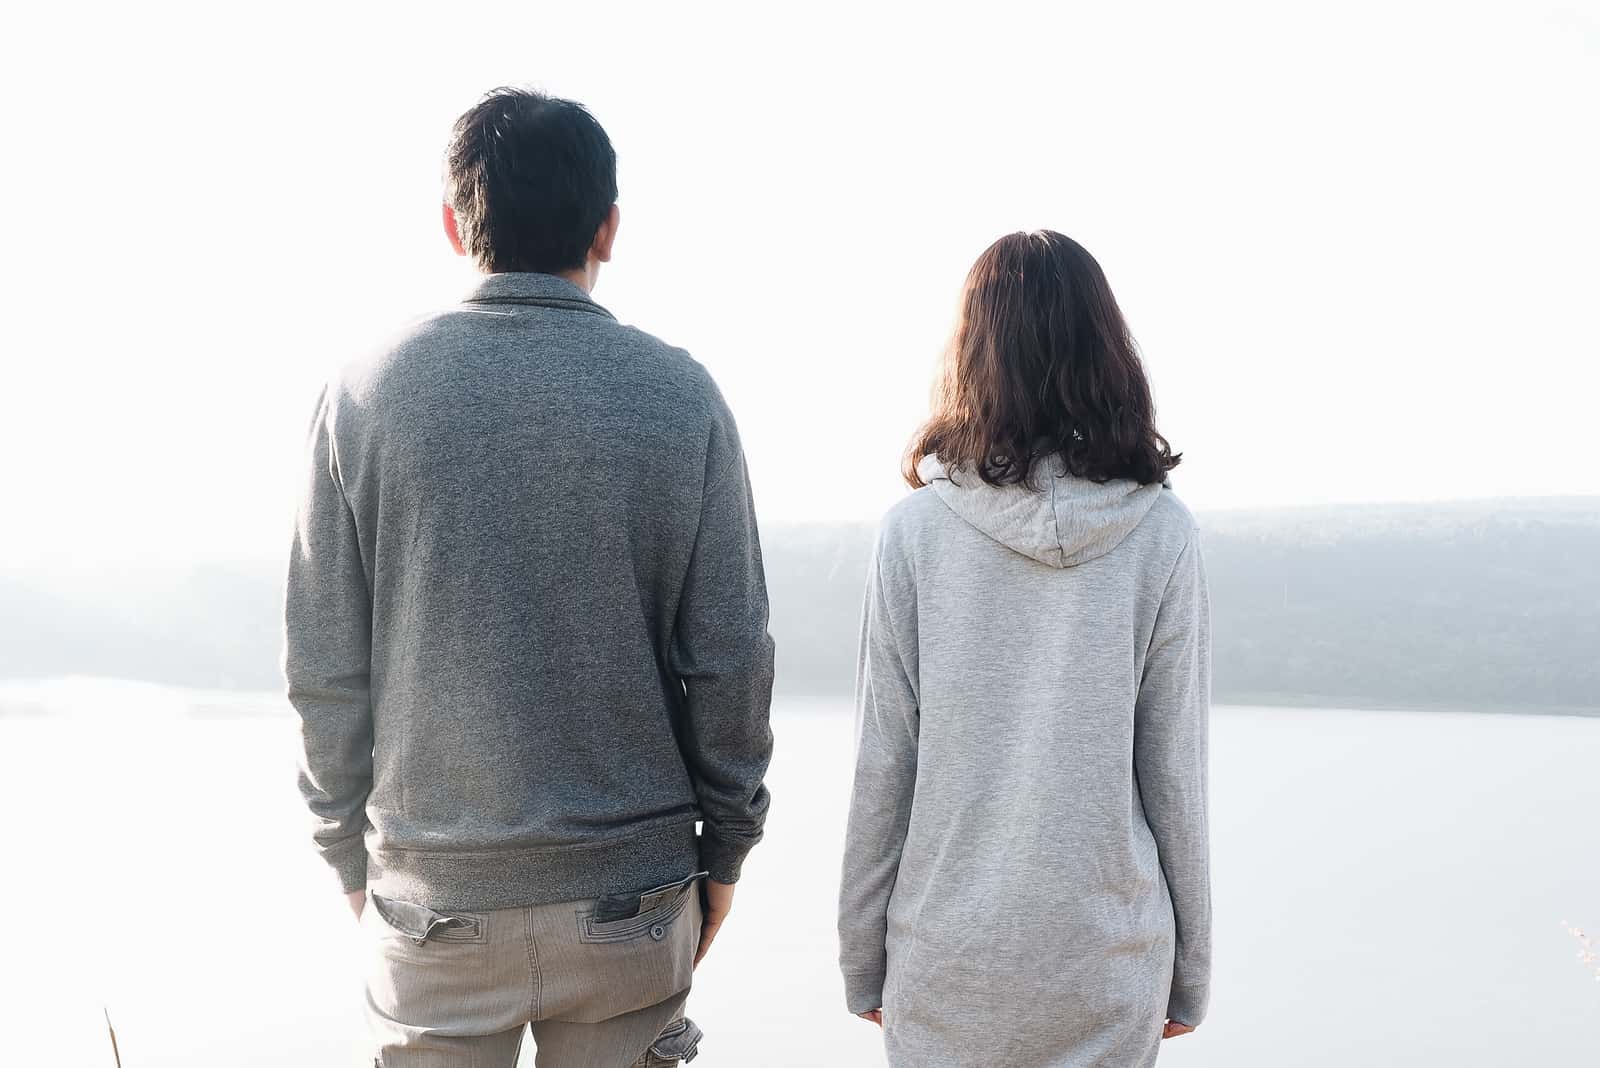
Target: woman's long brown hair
[(1042, 364)]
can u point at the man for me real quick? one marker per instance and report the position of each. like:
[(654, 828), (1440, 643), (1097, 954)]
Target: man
[(527, 637)]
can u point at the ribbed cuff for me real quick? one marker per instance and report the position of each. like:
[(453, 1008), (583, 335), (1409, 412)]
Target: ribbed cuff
[(1187, 1005), (348, 859), (722, 858), (863, 991)]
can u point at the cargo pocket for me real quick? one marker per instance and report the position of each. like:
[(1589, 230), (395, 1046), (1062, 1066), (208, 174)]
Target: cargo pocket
[(421, 924), (679, 1042)]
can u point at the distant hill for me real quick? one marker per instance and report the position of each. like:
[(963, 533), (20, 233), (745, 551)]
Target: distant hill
[(1487, 603), (1469, 604)]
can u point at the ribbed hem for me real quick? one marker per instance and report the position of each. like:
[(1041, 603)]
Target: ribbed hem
[(513, 878), (863, 991), (723, 858)]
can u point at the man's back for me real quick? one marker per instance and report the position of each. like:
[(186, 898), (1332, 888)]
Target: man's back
[(551, 518), (526, 636)]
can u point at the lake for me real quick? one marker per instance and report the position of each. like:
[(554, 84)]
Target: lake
[(1390, 890)]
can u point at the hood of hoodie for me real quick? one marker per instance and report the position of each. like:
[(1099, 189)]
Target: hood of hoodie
[(1062, 520)]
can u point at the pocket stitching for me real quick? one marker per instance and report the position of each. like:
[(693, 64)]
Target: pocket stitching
[(627, 929), (474, 931)]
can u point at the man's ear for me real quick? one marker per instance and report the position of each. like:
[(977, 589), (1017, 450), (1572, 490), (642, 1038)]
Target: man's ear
[(452, 231), (606, 235)]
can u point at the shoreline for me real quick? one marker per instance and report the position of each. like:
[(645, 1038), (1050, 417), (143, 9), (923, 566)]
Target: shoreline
[(64, 694)]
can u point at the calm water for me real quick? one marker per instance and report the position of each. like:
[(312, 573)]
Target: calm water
[(1390, 890)]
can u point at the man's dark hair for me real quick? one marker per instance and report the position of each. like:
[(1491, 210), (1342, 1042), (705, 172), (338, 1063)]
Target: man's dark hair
[(530, 178)]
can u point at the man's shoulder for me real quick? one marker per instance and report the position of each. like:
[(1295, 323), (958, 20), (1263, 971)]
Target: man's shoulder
[(610, 349), (667, 358), (392, 353), (678, 385)]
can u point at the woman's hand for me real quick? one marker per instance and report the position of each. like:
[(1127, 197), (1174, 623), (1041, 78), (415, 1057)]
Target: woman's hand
[(357, 900), (1174, 1029), (875, 1016)]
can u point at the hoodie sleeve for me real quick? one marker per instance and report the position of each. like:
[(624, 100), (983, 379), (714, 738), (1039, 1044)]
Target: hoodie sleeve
[(723, 655), (887, 723), (1169, 755), (327, 654)]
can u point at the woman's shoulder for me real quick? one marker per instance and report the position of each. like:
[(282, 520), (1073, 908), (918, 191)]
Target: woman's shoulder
[(1169, 527), (1169, 512), (912, 514), (909, 522)]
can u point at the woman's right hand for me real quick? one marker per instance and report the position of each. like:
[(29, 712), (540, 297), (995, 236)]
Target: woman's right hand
[(875, 1016), (1174, 1029)]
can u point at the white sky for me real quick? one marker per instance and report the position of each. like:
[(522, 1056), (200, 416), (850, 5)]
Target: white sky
[(1357, 242)]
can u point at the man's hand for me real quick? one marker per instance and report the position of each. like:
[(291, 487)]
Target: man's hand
[(718, 903), (875, 1016), (1174, 1029), (357, 900)]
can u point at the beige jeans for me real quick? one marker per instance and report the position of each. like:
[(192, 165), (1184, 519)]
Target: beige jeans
[(601, 984)]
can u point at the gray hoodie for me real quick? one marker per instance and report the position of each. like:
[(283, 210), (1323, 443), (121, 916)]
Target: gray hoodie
[(1026, 871)]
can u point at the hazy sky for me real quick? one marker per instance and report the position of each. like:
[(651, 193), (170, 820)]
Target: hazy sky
[(1357, 242)]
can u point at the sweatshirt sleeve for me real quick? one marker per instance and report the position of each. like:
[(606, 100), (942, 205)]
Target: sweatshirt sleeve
[(1170, 754), (327, 653), (880, 804), (723, 655)]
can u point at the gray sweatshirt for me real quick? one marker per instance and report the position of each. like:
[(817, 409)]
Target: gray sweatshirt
[(1025, 876), (526, 623)]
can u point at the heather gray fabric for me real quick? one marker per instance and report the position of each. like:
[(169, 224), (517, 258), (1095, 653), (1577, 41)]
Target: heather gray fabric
[(1026, 876), (460, 990), (526, 623)]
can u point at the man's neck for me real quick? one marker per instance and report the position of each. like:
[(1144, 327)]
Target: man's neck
[(579, 277)]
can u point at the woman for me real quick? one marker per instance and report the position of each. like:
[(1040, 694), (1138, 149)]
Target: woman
[(1025, 875)]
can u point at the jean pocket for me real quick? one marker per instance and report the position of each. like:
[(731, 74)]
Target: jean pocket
[(422, 924), (649, 913)]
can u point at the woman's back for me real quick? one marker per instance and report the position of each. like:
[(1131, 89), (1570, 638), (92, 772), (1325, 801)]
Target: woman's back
[(1025, 875), (1029, 887)]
